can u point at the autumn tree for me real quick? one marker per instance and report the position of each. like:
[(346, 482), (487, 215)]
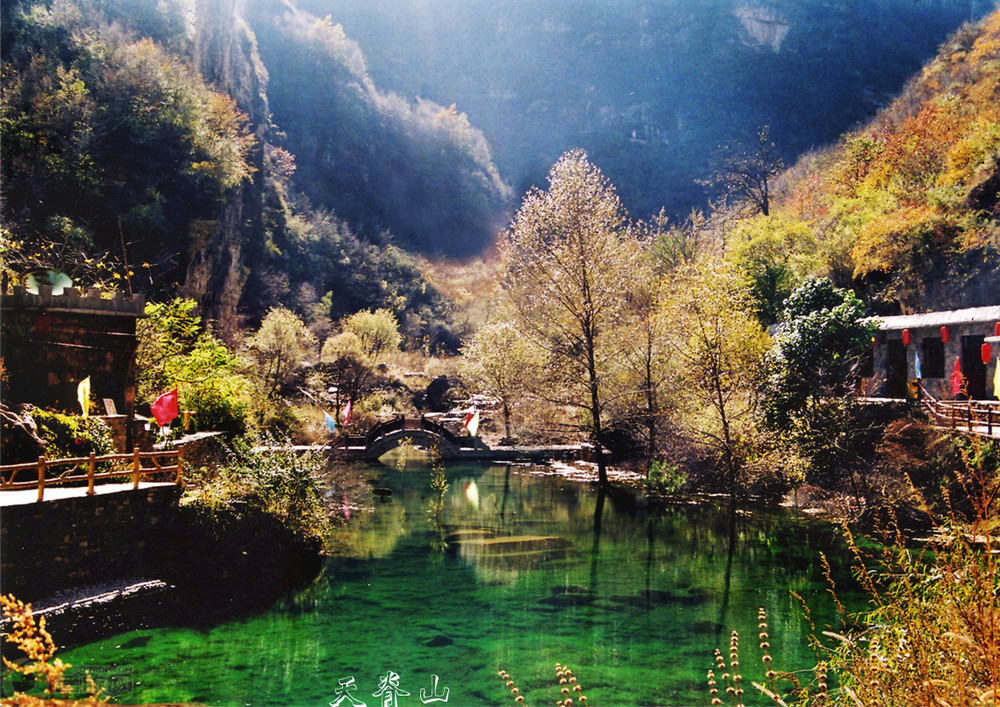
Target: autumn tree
[(499, 360), (643, 369), (279, 346), (719, 348), (346, 365), (569, 254), (377, 330), (747, 173), (774, 253)]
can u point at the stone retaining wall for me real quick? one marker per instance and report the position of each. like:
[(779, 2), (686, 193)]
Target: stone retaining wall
[(54, 545)]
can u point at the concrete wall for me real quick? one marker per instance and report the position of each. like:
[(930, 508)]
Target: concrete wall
[(54, 545)]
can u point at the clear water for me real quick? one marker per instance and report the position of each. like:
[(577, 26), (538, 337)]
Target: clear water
[(634, 610)]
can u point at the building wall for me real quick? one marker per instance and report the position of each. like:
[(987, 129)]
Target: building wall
[(52, 342), (938, 383)]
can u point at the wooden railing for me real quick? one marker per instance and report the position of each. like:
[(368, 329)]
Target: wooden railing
[(439, 429), (133, 466), (979, 417)]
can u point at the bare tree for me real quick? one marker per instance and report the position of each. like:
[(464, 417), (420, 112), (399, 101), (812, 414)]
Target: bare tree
[(747, 173)]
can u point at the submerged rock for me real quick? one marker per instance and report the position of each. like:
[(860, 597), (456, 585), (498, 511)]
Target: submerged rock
[(438, 641)]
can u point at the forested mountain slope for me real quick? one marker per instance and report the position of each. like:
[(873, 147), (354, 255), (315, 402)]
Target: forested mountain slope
[(249, 154), (649, 89), (907, 208), (139, 145)]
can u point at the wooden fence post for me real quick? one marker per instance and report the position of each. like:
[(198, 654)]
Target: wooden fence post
[(180, 464), (90, 475), (135, 468), (41, 478)]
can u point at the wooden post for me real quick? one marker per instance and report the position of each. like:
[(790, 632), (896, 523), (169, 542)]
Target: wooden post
[(41, 478), (135, 468), (969, 417), (180, 464), (90, 475)]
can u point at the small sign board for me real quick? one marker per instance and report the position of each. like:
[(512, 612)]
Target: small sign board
[(109, 407)]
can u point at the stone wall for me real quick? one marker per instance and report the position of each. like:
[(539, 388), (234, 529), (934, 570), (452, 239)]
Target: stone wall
[(55, 545), (52, 342)]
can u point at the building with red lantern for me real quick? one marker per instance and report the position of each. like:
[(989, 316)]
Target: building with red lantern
[(953, 354)]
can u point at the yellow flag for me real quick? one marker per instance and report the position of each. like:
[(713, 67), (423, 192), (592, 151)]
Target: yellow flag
[(83, 395)]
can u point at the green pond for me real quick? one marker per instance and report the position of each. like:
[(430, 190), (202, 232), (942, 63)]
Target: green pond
[(515, 573)]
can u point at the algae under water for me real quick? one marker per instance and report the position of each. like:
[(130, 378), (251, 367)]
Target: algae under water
[(512, 574)]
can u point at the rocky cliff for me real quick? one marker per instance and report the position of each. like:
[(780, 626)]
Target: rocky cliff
[(225, 52)]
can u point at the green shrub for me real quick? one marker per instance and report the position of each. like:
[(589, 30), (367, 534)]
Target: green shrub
[(272, 476), (69, 436), (663, 479)]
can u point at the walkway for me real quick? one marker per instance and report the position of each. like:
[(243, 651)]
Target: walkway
[(55, 493), (979, 418)]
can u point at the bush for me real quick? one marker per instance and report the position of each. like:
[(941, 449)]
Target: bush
[(175, 351), (663, 479), (271, 476), (68, 436), (932, 636)]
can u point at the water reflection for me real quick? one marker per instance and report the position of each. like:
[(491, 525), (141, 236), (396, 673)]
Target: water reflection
[(535, 571)]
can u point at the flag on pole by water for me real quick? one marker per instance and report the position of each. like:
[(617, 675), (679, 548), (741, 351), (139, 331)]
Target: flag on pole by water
[(83, 395), (347, 412), (164, 408), (916, 364), (331, 422), (957, 378), (472, 423)]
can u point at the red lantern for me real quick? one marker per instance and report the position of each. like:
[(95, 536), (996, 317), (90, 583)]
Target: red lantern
[(996, 329), (986, 351), (945, 335), (906, 337)]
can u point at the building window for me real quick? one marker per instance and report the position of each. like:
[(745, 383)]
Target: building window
[(932, 358)]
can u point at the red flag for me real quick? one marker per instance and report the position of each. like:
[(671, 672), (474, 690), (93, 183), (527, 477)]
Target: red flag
[(957, 379), (347, 412), (165, 408), (472, 422)]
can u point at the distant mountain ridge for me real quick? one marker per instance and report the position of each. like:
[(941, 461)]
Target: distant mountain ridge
[(249, 154), (650, 89)]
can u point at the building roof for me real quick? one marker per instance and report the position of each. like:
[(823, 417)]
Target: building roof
[(972, 315)]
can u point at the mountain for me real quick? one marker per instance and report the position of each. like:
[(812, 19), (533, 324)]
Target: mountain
[(905, 209), (650, 89), (139, 151), (296, 153), (416, 168)]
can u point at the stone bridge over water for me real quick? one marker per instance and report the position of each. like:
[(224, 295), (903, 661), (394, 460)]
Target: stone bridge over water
[(436, 438)]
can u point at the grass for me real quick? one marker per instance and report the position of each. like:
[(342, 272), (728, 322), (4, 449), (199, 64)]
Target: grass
[(932, 636)]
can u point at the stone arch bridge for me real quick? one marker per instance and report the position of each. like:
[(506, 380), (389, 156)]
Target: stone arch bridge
[(428, 434)]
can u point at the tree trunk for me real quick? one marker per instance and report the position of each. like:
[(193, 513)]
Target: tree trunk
[(595, 408)]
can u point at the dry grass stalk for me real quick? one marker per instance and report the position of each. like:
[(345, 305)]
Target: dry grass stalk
[(36, 643)]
